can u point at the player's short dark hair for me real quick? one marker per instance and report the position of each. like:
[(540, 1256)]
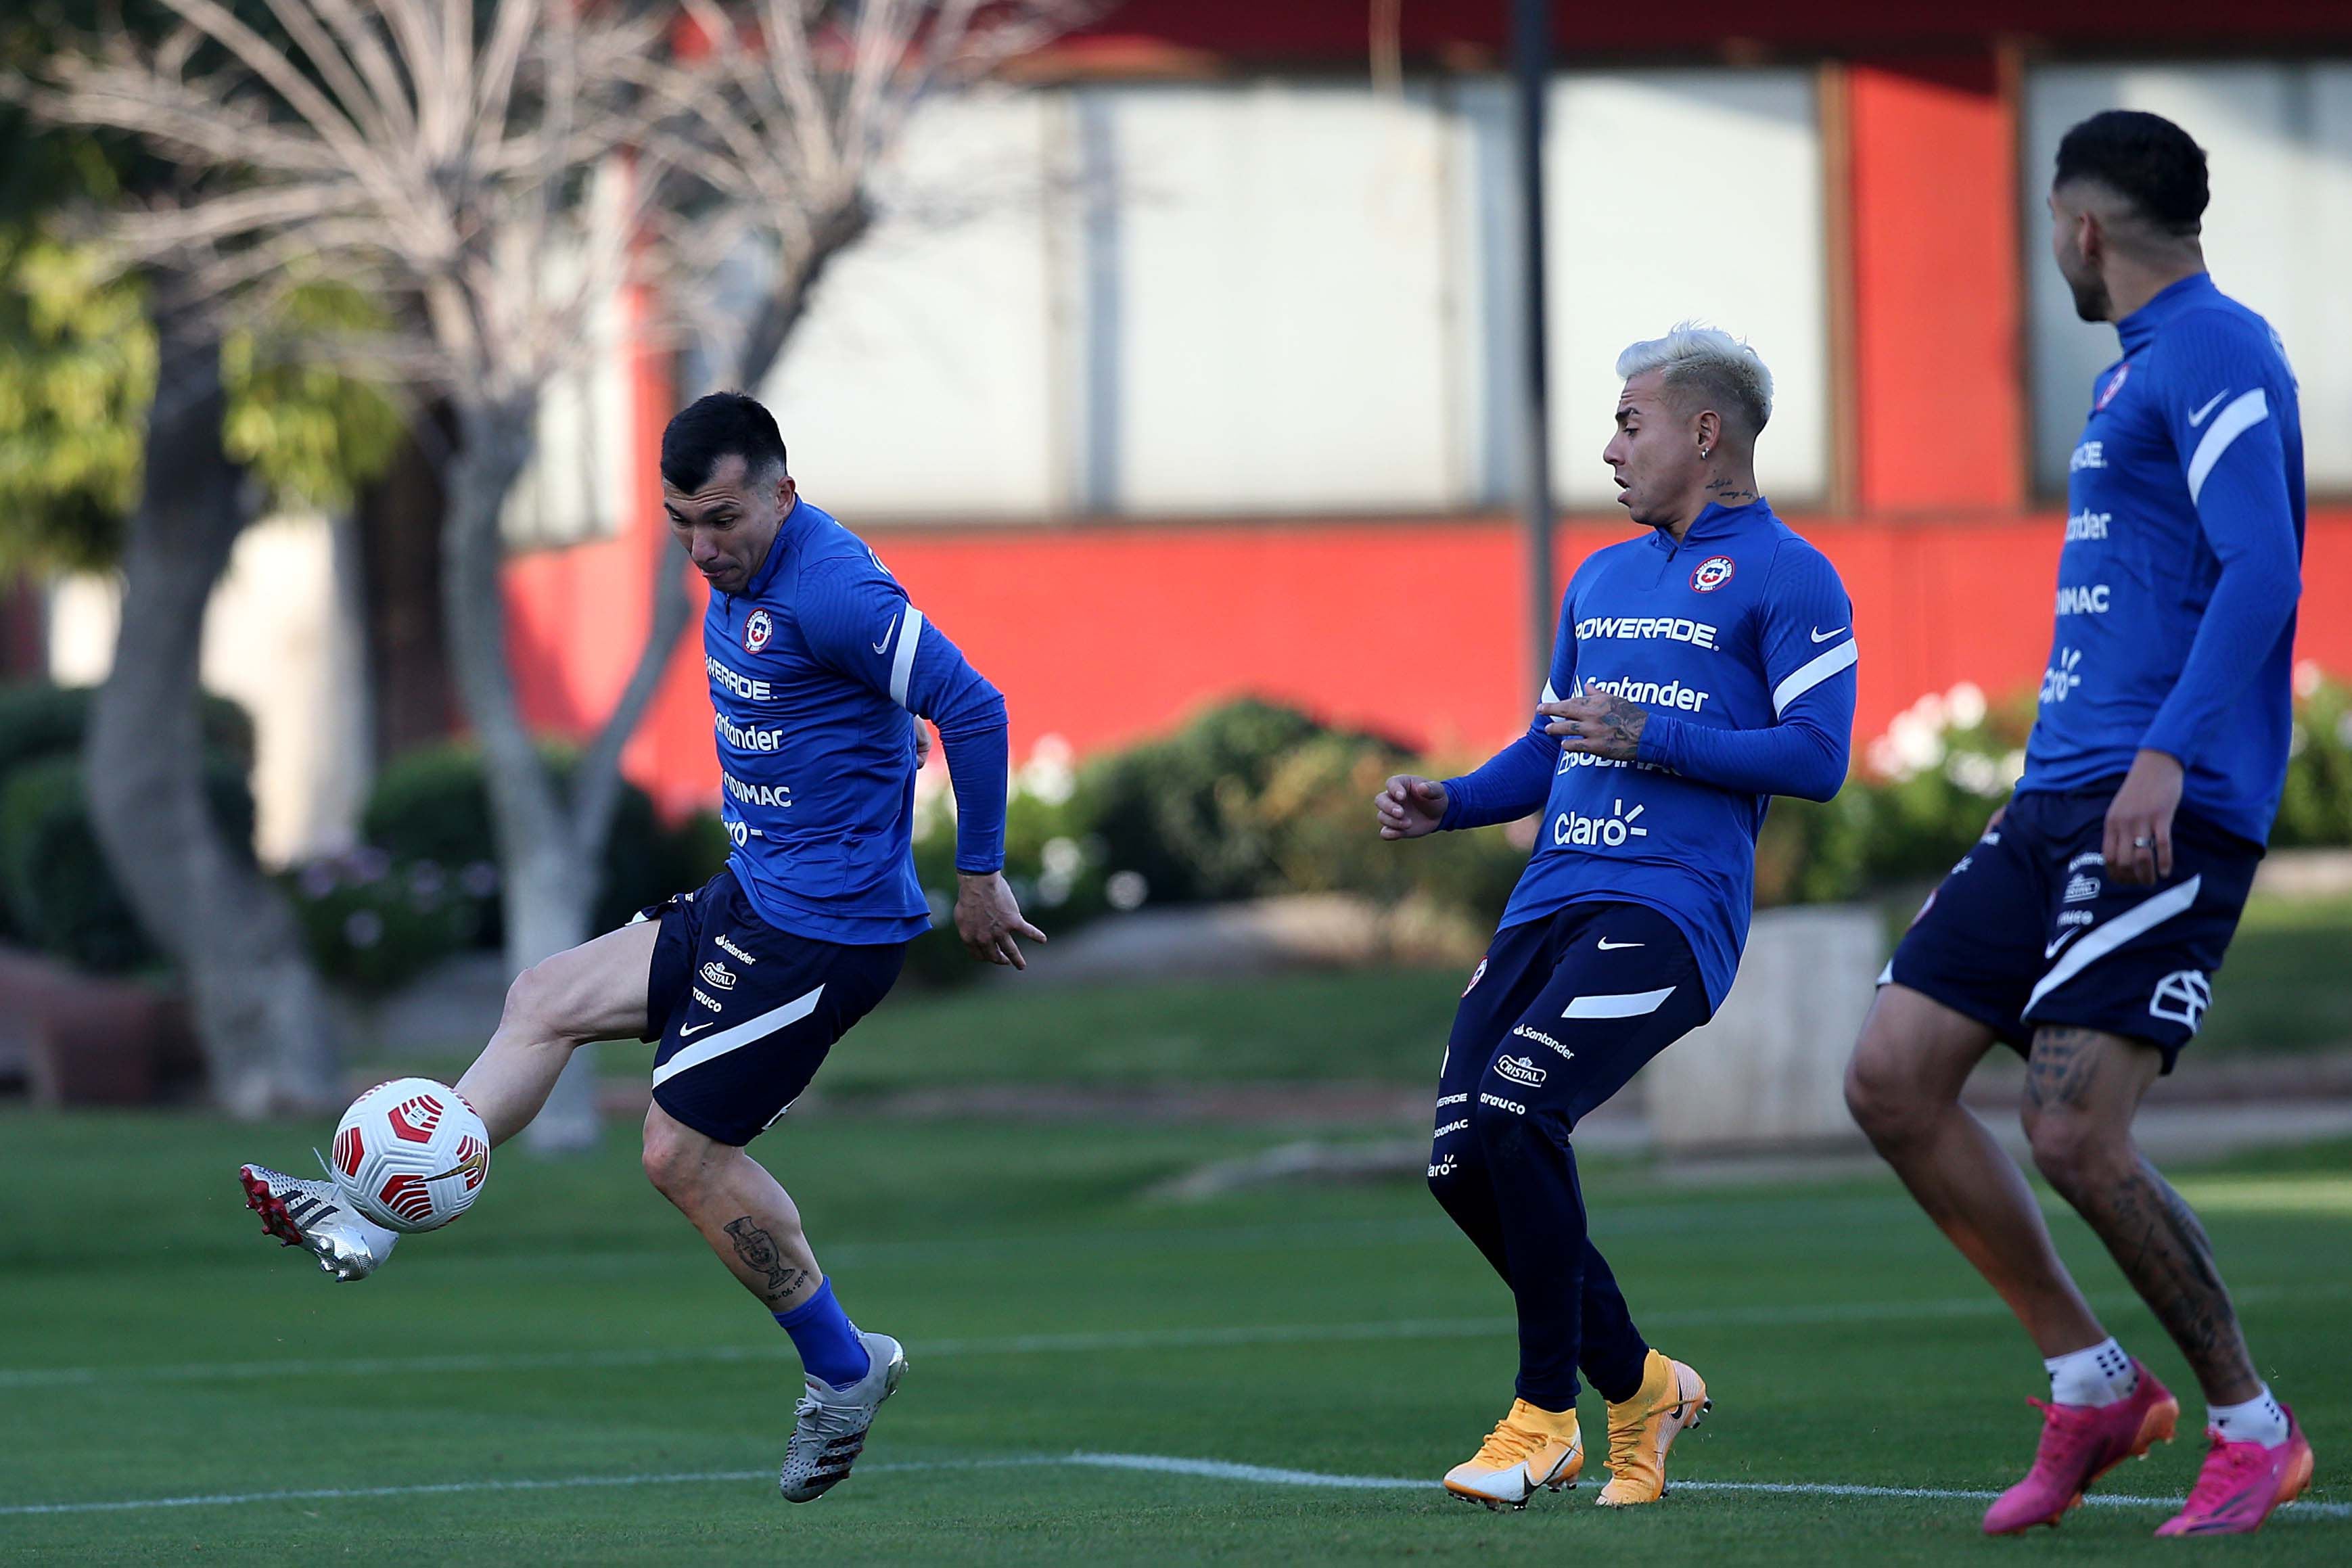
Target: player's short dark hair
[(2144, 158), (725, 424)]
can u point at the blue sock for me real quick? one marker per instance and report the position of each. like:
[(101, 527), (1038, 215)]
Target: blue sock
[(830, 1350)]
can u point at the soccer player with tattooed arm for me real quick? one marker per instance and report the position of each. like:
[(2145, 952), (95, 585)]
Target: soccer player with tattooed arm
[(2084, 928), (822, 675), (1700, 669)]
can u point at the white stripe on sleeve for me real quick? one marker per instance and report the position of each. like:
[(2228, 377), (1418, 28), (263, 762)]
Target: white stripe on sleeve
[(902, 667), (2245, 411), (1812, 675)]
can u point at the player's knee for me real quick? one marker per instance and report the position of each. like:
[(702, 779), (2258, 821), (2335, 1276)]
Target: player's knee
[(1498, 1129), (534, 1005), (1884, 1093), (2074, 1150), (674, 1159)]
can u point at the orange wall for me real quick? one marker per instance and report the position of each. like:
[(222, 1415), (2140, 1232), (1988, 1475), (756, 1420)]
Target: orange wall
[(1940, 410), (1102, 636)]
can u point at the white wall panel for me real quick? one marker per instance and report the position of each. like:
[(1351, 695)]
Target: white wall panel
[(920, 382), (1285, 305), (2278, 141), (1679, 194)]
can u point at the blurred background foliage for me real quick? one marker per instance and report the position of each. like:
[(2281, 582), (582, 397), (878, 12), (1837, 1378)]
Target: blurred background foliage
[(1249, 799)]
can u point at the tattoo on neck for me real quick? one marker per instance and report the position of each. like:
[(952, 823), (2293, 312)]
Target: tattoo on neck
[(1729, 492)]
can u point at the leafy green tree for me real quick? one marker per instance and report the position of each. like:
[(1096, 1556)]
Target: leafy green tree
[(110, 379)]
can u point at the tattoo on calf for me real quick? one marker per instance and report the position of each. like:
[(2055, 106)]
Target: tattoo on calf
[(758, 1252)]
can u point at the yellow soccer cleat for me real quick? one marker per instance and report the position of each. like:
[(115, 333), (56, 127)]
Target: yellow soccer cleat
[(1672, 1399), (1529, 1448)]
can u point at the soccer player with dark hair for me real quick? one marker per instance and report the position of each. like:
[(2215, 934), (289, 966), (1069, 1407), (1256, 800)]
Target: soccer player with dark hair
[(2084, 928), (822, 672), (1698, 671)]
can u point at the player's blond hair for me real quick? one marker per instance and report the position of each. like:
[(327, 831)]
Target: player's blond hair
[(1708, 362)]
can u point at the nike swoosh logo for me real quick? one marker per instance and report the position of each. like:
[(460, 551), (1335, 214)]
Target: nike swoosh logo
[(2199, 418), (1821, 635), (697, 1028), (2064, 938), (1608, 946), (884, 645)]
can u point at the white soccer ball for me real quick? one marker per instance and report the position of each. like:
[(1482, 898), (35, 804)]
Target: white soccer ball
[(410, 1154)]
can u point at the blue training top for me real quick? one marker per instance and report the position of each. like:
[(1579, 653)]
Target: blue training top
[(1739, 641), (2183, 562), (815, 668)]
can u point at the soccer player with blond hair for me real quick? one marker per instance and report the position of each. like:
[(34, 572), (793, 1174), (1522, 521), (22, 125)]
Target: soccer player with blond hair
[(1700, 668)]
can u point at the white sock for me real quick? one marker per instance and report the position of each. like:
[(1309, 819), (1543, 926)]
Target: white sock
[(2258, 1420), (2102, 1374)]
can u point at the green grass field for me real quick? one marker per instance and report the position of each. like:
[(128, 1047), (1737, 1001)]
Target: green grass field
[(565, 1357)]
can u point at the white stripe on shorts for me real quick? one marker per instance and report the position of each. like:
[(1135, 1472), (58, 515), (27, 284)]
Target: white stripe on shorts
[(742, 1035), (2114, 934), (1622, 1005)]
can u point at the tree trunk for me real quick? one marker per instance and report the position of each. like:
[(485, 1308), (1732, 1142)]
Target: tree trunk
[(400, 549), (550, 877), (259, 1010)]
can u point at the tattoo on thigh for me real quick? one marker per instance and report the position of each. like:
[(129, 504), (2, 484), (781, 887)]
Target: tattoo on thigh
[(758, 1252), (2063, 1064)]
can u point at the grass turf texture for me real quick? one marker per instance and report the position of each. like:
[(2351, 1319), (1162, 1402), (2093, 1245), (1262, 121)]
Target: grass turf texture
[(1844, 1344)]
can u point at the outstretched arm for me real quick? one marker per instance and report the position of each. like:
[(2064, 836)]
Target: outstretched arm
[(1517, 780)]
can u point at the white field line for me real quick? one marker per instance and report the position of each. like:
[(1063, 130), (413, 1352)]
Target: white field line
[(1208, 1338), (1158, 1464)]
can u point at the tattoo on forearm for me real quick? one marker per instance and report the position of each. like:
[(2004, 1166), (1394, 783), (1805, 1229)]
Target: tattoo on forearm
[(759, 1254)]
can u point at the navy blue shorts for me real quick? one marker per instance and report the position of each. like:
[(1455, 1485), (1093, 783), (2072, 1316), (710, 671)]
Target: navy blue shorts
[(1561, 1012), (746, 1012), (2026, 932)]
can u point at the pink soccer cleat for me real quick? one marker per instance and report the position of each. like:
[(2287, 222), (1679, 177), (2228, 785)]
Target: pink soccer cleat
[(2079, 1442), (2240, 1483)]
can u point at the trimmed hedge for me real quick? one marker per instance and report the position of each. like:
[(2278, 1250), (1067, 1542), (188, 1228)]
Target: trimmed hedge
[(61, 894), (56, 893)]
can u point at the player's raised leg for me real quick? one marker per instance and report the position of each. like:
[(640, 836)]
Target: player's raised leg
[(593, 992), (2081, 1089), (1903, 1089)]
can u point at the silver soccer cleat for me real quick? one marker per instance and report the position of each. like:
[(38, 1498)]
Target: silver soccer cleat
[(312, 1215), (830, 1431)]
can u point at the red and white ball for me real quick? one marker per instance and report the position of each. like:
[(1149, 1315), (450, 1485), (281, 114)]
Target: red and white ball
[(410, 1154)]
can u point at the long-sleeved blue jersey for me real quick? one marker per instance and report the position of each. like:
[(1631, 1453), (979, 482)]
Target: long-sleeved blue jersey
[(1739, 642), (2177, 587), (815, 668)]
